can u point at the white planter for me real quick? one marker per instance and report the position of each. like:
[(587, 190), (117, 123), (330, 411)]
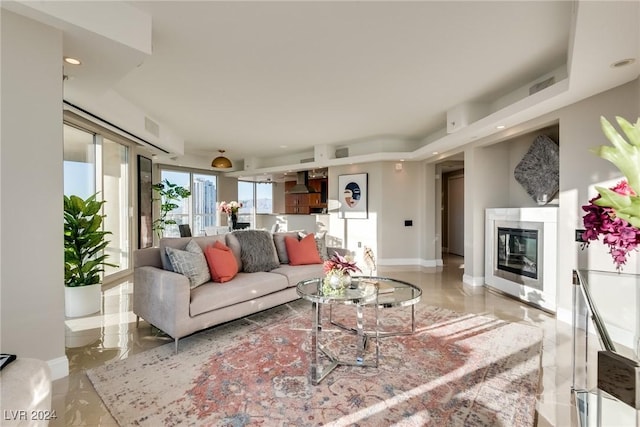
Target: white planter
[(82, 300)]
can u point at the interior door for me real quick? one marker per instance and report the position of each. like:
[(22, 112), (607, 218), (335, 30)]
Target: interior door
[(456, 214)]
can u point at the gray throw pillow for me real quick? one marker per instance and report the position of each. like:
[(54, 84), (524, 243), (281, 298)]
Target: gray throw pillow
[(191, 263), (281, 248), (321, 243), (257, 251)]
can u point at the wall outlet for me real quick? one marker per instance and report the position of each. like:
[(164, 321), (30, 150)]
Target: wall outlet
[(408, 223), (359, 244), (578, 235)]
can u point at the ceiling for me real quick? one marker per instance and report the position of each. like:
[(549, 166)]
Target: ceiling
[(265, 79)]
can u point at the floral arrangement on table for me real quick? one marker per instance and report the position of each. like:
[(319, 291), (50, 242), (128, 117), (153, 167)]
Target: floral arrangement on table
[(337, 270), (614, 213), (230, 208)]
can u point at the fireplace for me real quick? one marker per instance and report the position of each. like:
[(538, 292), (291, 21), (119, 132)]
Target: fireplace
[(520, 253)]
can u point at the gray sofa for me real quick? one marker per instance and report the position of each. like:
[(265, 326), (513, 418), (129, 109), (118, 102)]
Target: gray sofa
[(165, 299)]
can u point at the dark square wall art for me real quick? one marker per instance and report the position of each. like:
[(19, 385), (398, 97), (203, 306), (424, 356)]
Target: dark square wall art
[(539, 170)]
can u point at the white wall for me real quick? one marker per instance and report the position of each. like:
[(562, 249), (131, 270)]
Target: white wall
[(580, 169), (394, 196), (486, 171), (31, 185), (490, 183)]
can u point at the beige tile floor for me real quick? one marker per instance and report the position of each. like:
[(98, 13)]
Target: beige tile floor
[(111, 335)]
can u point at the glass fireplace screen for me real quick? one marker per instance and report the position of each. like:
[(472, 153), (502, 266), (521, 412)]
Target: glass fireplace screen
[(518, 251)]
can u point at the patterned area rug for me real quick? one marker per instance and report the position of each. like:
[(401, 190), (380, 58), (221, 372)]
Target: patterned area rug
[(456, 370)]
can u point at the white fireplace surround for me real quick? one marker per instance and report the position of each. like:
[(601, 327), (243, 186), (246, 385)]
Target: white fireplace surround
[(544, 219)]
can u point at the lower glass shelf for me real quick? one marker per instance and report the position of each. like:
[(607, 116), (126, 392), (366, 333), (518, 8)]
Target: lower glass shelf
[(597, 408)]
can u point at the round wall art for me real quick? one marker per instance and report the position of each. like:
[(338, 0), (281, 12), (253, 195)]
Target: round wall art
[(352, 195)]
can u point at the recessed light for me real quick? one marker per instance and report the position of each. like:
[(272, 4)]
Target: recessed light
[(623, 62), (435, 152), (72, 61), (283, 146), (500, 127)]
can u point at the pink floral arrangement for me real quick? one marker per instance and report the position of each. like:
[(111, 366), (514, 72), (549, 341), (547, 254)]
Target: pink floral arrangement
[(617, 233), (231, 207), (340, 263)]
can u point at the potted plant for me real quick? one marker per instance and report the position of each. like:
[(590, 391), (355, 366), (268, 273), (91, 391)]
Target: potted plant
[(84, 257), (167, 194)]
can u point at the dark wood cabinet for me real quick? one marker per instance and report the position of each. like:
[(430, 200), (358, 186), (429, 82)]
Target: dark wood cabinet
[(306, 203)]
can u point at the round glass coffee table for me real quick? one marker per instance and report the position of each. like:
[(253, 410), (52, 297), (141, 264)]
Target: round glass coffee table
[(391, 293), (359, 294)]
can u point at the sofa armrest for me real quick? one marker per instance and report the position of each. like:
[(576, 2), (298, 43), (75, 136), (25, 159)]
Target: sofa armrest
[(162, 298), (147, 256)]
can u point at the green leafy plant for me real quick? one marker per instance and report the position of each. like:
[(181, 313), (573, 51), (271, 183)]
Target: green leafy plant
[(167, 194), (84, 241), (626, 156)]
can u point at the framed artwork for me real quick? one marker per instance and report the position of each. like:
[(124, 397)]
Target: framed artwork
[(145, 209), (352, 195)]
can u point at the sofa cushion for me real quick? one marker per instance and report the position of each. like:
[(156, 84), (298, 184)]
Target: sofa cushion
[(321, 243), (234, 244), (222, 263), (297, 273), (181, 243), (257, 251), (191, 263), (243, 287), (302, 252), (281, 248)]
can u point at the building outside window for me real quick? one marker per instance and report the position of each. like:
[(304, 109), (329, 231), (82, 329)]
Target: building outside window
[(198, 210), (256, 198)]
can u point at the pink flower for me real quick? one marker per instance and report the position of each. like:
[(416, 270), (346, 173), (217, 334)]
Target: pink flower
[(618, 234), (340, 263)]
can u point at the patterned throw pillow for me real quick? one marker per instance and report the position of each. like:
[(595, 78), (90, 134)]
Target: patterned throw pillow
[(191, 263), (321, 243)]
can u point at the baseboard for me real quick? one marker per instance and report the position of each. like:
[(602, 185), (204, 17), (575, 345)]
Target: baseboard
[(410, 262), (59, 367), (467, 279)]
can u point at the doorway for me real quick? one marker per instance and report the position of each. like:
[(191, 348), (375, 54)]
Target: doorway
[(453, 208)]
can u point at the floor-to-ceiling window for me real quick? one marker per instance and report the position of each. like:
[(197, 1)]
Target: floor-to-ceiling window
[(199, 210), (115, 190), (94, 164), (256, 198)]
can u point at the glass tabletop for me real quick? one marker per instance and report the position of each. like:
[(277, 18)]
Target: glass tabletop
[(358, 293), (363, 290)]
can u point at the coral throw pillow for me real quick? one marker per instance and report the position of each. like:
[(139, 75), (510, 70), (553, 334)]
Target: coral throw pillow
[(301, 252), (222, 264)]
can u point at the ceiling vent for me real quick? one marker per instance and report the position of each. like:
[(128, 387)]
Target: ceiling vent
[(152, 127), (342, 153), (308, 160), (542, 85)]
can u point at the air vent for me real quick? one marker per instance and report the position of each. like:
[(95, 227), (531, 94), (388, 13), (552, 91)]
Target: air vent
[(151, 127), (541, 85), (309, 160), (342, 153)]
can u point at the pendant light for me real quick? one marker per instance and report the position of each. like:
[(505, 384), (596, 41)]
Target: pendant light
[(221, 161)]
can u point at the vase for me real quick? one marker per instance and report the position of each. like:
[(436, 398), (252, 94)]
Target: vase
[(233, 221), (339, 280)]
